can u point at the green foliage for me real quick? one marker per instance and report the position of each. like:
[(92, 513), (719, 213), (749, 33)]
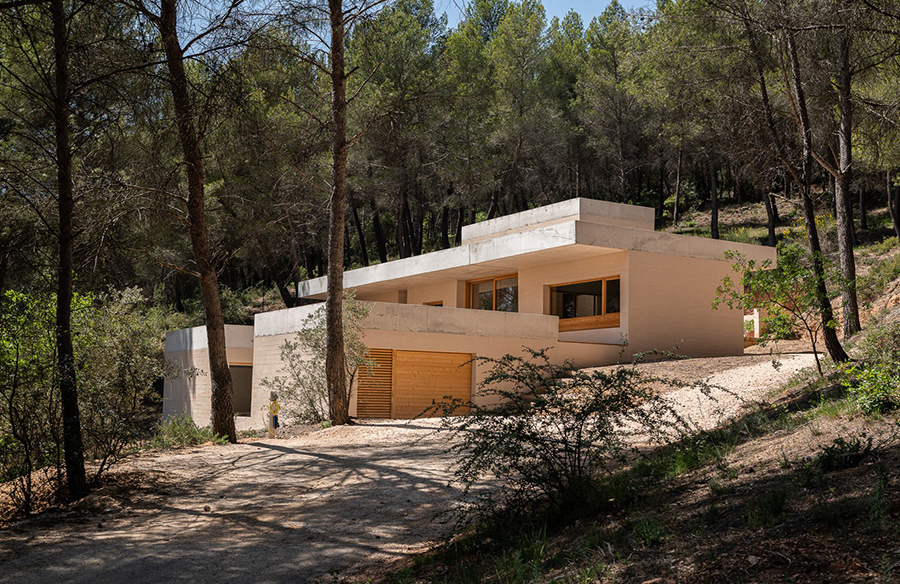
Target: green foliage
[(118, 350), (765, 507), (788, 293), (238, 306), (180, 430), (879, 275), (552, 431), (648, 529), (873, 388), (303, 389), (30, 418), (874, 382), (843, 453)]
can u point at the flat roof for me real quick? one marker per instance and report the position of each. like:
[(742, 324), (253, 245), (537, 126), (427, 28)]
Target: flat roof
[(540, 244)]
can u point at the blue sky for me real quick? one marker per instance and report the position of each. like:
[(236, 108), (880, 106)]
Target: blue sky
[(588, 9)]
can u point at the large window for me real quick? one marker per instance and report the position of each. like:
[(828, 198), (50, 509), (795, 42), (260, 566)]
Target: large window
[(494, 294), (586, 305)]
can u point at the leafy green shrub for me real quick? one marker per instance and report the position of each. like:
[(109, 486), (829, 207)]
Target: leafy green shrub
[(181, 430), (552, 431), (30, 417), (648, 529), (880, 274), (874, 382), (843, 453), (873, 388), (119, 350), (766, 506), (787, 291)]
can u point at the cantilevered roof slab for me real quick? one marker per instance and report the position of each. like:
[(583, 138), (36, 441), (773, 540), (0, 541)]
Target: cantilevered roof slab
[(544, 244)]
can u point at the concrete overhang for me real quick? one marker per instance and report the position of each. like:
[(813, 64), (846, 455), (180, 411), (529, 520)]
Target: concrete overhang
[(423, 319), (545, 244)]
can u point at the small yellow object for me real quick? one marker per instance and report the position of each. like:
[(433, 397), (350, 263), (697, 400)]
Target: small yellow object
[(272, 424)]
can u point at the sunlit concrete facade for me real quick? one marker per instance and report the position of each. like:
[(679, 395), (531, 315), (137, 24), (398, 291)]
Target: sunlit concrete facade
[(664, 288)]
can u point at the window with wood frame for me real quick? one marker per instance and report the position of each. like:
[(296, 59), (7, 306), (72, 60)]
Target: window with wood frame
[(586, 305), (501, 293)]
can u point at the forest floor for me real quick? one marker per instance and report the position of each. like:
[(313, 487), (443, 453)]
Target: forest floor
[(342, 503)]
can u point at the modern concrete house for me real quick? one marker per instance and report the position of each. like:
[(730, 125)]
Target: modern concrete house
[(589, 279)]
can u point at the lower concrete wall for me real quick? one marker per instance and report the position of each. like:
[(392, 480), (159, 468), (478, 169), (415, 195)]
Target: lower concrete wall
[(426, 328), (189, 390)]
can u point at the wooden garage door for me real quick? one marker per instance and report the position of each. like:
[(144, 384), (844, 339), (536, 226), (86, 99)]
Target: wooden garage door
[(373, 388), (421, 378)]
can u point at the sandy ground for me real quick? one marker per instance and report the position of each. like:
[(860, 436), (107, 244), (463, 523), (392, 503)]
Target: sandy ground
[(338, 501)]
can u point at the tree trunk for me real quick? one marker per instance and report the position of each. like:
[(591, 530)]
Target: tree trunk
[(222, 389), (445, 227), (335, 369), (714, 202), (774, 202), (801, 177), (402, 247), (73, 447), (363, 252), (835, 350), (417, 230), (347, 246), (380, 242), (893, 205), (843, 207), (492, 208), (460, 218), (770, 219), (661, 193), (863, 211), (677, 189), (286, 296)]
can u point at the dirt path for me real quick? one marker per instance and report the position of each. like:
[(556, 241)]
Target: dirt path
[(270, 511), (290, 510)]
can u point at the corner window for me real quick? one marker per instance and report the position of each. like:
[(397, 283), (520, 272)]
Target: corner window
[(587, 305), (494, 294)]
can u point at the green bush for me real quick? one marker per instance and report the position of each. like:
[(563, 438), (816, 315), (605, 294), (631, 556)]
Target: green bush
[(553, 431), (874, 382), (843, 453), (873, 388), (118, 357), (30, 417), (181, 430), (119, 350), (788, 291)]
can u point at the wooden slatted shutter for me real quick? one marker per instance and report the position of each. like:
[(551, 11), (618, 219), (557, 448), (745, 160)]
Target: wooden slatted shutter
[(373, 397)]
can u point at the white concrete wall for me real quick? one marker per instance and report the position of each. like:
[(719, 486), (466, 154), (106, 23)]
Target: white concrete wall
[(191, 391), (603, 212), (670, 307)]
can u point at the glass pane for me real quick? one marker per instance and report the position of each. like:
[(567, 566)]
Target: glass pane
[(612, 296), (577, 300), (508, 295), (483, 295)]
